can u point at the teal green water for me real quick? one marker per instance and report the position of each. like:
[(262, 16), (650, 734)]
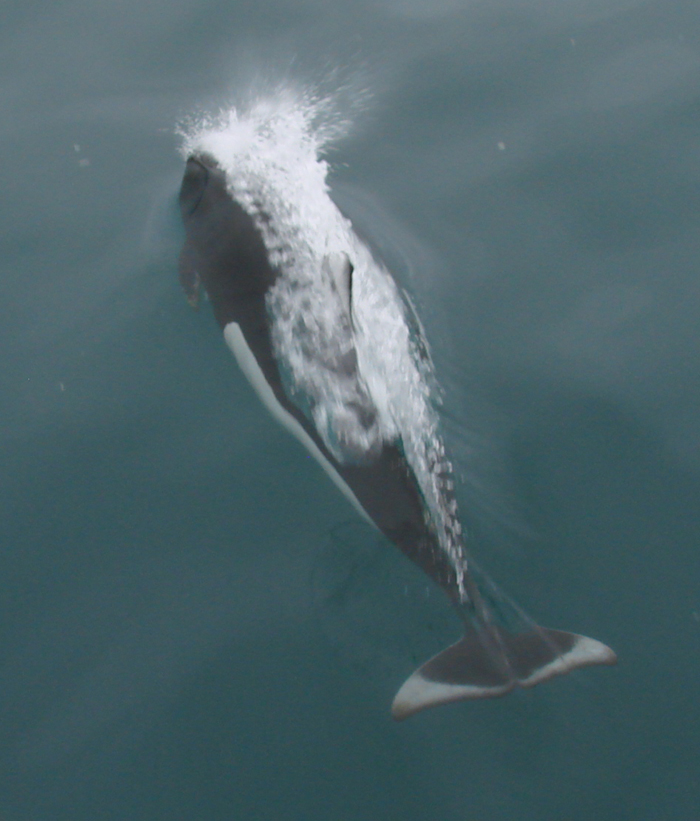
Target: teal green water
[(193, 625)]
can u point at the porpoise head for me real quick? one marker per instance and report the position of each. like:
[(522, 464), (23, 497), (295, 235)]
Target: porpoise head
[(202, 176), (223, 250)]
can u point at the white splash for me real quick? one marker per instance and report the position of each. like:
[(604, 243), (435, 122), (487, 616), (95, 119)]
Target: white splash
[(363, 376)]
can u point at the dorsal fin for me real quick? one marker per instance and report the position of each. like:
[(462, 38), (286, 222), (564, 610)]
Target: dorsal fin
[(340, 268)]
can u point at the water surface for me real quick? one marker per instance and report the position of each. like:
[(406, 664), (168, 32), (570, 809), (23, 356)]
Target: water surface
[(193, 624)]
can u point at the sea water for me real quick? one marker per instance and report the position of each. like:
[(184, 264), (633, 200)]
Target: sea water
[(194, 624)]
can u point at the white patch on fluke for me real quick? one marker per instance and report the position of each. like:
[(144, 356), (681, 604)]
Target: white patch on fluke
[(362, 379), (584, 652), (417, 693)]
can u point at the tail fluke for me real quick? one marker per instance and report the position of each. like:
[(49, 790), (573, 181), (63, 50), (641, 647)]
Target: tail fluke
[(490, 662)]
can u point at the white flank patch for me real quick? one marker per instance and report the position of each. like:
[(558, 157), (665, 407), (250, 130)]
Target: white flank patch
[(253, 372)]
